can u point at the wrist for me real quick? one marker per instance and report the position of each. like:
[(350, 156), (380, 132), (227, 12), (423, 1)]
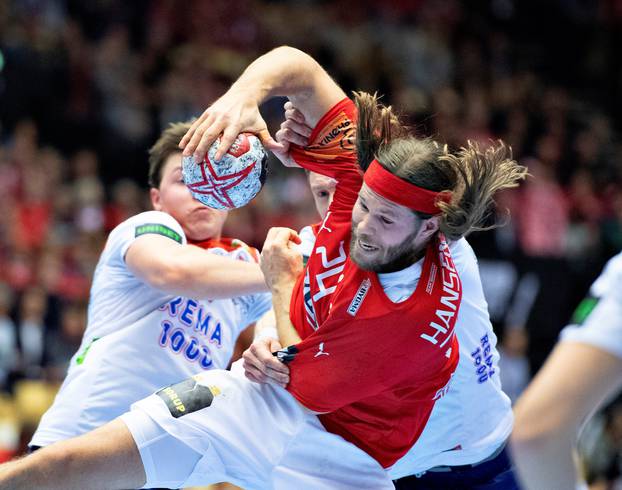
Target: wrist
[(282, 287), (267, 333)]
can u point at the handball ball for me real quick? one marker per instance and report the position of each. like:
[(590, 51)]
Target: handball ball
[(234, 180)]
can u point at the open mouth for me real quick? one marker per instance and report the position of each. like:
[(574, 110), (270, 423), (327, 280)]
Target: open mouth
[(367, 247)]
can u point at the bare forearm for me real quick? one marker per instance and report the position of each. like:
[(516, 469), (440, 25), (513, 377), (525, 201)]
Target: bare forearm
[(42, 470), (203, 275), (187, 270), (12, 475), (547, 462), (287, 71), (281, 297), (283, 71)]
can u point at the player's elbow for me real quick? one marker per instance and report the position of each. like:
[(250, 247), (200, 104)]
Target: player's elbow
[(293, 53), (305, 65)]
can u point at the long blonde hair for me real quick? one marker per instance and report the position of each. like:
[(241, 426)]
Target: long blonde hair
[(471, 174)]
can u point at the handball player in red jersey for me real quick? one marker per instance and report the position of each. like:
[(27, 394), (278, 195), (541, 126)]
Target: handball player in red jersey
[(464, 441), (364, 372)]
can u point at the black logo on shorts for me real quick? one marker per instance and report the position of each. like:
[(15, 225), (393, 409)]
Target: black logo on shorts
[(186, 397)]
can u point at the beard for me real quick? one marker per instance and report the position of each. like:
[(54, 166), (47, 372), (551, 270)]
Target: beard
[(385, 259)]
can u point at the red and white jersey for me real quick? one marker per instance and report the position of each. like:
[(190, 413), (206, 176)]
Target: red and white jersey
[(355, 362), (475, 416)]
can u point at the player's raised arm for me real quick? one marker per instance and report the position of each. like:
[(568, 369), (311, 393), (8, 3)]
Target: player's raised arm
[(283, 71)]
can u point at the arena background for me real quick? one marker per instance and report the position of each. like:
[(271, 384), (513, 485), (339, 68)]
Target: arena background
[(86, 87)]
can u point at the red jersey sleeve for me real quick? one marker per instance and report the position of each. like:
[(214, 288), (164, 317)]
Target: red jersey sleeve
[(331, 152)]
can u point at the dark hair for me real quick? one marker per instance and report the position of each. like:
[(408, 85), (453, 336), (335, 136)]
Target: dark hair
[(472, 175), (165, 146)]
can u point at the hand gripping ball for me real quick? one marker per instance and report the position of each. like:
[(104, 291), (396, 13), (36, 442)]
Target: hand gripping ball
[(231, 182)]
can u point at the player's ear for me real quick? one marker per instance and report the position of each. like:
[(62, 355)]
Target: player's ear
[(156, 202), (429, 227)]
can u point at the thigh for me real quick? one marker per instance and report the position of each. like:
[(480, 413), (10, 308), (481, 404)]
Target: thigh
[(167, 460), (238, 429), (320, 460)]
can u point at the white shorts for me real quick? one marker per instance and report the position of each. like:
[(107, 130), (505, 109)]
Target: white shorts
[(255, 436)]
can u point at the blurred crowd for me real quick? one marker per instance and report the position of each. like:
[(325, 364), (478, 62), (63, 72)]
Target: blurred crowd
[(86, 87)]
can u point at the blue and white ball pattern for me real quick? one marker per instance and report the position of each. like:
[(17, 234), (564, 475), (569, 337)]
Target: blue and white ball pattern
[(231, 182)]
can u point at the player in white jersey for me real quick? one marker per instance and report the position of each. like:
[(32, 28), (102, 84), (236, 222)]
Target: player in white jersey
[(470, 424), (582, 373), (160, 308)]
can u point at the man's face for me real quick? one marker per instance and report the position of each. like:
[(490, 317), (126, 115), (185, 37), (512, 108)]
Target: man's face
[(173, 197), (386, 237), (323, 190)]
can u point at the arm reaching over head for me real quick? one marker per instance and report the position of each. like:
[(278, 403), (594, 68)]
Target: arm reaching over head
[(283, 71)]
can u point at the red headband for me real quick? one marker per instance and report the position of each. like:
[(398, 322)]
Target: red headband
[(397, 190)]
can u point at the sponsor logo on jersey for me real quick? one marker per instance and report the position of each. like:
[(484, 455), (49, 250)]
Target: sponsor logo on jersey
[(157, 229), (339, 127), (191, 330), (339, 131), (82, 356), (321, 351), (584, 310), (430, 285), (483, 360), (450, 299), (187, 396), (357, 301)]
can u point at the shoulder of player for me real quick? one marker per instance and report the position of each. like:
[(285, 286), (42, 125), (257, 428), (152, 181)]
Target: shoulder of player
[(463, 255), (140, 223), (609, 277)]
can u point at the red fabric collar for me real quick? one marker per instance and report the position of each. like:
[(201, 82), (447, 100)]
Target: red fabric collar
[(397, 190), (228, 244), (212, 243)]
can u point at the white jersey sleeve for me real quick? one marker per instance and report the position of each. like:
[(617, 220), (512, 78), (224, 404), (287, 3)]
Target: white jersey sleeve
[(149, 222), (598, 319)]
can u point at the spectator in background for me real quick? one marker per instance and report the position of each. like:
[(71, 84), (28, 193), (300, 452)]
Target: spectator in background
[(541, 213), (63, 344), (9, 354), (513, 362), (31, 330), (127, 199)]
